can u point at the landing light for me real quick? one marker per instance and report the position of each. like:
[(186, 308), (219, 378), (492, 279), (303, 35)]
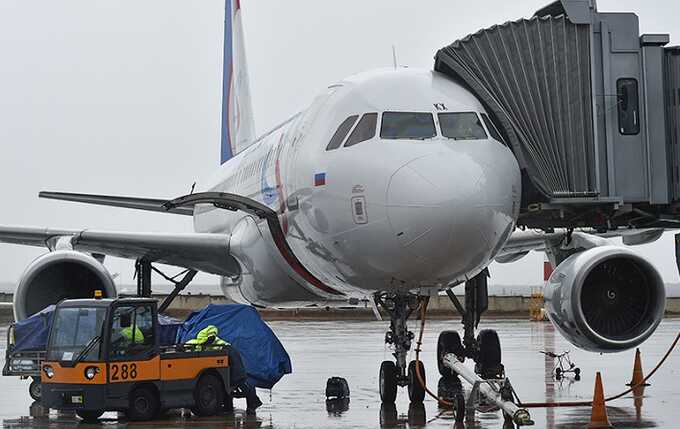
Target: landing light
[(98, 294)]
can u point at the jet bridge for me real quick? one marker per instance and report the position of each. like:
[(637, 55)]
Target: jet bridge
[(590, 108)]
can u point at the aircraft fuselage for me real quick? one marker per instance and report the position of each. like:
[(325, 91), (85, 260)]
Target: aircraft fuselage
[(388, 213)]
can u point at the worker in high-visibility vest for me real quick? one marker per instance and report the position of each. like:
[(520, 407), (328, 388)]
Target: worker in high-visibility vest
[(127, 334), (207, 337)]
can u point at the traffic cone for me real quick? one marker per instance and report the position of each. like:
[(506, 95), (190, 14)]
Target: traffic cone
[(599, 418), (638, 377)]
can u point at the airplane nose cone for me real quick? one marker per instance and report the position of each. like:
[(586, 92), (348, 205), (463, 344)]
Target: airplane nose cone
[(440, 211)]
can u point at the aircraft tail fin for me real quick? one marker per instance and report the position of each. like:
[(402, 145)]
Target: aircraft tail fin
[(238, 127)]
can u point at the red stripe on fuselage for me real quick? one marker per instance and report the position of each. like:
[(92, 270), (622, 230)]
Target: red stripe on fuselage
[(279, 236)]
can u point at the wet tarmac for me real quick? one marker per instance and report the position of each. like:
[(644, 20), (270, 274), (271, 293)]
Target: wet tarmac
[(354, 350)]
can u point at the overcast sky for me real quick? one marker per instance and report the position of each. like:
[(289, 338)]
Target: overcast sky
[(123, 96)]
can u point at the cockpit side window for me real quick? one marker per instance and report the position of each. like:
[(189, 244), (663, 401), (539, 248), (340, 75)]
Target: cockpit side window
[(365, 129), (342, 132), (407, 125), (495, 134), (461, 126)]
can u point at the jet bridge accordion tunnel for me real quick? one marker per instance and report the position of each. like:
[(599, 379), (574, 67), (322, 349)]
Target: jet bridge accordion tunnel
[(590, 109)]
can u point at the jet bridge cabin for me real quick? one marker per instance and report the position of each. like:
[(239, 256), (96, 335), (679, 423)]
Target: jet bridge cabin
[(590, 108)]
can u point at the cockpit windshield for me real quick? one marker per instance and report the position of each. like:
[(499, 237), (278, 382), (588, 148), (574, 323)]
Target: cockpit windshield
[(461, 126), (407, 125), (76, 328)]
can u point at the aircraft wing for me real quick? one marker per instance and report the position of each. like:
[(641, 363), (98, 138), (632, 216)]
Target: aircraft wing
[(199, 251), (522, 242)]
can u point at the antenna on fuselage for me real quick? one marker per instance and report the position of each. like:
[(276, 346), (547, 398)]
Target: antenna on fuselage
[(394, 56)]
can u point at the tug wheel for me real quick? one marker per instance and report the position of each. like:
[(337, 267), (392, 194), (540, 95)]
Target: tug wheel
[(388, 382), (144, 404), (448, 342), (416, 391), (208, 396), (89, 416), (35, 389)]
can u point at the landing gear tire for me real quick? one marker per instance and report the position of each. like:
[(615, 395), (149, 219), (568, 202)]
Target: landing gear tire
[(89, 416), (489, 361), (448, 342), (448, 388), (416, 391), (558, 373), (459, 407), (388, 415), (35, 389), (388, 382), (144, 404), (577, 374), (208, 396)]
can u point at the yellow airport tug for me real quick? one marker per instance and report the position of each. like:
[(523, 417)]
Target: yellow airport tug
[(104, 355)]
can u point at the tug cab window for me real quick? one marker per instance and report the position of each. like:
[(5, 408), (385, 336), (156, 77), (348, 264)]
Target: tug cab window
[(628, 106), (342, 132), (365, 129), (461, 126), (407, 125), (132, 333)]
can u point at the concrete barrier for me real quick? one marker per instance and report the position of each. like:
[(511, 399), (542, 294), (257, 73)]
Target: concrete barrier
[(440, 307)]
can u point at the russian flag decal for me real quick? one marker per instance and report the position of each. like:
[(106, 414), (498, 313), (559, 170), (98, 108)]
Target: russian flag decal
[(319, 179)]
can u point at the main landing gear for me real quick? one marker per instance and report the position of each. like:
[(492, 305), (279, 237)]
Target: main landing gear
[(396, 373)]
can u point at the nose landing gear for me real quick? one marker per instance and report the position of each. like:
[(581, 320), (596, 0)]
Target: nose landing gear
[(397, 373), (485, 348)]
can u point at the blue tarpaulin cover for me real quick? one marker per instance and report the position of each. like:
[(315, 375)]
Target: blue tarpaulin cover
[(31, 334), (264, 357)]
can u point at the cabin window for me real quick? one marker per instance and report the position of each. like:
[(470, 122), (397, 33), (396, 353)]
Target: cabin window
[(341, 132), (365, 129), (461, 126), (628, 106), (407, 125), (493, 130)]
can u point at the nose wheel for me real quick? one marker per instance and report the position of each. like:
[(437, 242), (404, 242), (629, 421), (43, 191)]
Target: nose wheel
[(397, 373)]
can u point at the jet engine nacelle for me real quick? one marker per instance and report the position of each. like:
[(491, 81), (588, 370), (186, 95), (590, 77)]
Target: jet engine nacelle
[(60, 275), (605, 299)]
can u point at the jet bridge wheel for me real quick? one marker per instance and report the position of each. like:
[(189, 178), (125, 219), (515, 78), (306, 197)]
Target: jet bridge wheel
[(388, 382)]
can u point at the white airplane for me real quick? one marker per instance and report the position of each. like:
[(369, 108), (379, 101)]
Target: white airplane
[(393, 185)]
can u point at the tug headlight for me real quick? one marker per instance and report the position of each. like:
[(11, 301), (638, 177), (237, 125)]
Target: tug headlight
[(90, 372), (49, 371)]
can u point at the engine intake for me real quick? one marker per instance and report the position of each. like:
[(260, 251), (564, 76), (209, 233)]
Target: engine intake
[(605, 299), (63, 274)]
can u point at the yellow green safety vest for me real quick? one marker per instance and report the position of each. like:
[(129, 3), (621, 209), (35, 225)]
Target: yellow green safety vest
[(127, 334), (205, 334)]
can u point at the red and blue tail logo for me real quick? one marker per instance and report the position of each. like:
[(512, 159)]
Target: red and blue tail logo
[(238, 128)]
